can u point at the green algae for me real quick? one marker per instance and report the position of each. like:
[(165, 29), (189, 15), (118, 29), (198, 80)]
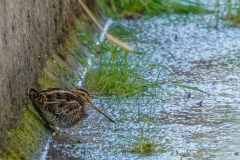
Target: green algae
[(78, 56), (24, 139), (47, 82)]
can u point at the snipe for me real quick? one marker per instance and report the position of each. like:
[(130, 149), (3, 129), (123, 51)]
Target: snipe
[(62, 108)]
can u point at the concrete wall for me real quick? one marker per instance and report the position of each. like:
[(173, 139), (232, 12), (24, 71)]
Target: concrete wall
[(30, 32)]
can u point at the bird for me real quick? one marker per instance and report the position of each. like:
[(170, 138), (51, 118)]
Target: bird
[(62, 108)]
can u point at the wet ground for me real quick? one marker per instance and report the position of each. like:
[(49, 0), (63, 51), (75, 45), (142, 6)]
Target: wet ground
[(188, 124)]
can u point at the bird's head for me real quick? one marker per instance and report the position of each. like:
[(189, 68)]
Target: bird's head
[(84, 96)]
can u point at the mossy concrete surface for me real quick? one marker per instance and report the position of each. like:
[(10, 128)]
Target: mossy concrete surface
[(29, 135), (43, 53), (26, 137)]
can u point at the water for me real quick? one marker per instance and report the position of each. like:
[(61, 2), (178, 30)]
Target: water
[(203, 57)]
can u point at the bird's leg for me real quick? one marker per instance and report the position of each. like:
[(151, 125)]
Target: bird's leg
[(55, 129)]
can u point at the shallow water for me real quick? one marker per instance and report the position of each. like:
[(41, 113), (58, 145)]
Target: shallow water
[(203, 57)]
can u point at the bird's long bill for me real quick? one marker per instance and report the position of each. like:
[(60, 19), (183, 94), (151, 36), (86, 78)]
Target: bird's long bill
[(100, 111)]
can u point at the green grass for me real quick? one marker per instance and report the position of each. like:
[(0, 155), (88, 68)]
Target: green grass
[(126, 8), (121, 73)]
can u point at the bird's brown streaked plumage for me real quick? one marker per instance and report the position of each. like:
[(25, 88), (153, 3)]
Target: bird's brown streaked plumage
[(62, 108)]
